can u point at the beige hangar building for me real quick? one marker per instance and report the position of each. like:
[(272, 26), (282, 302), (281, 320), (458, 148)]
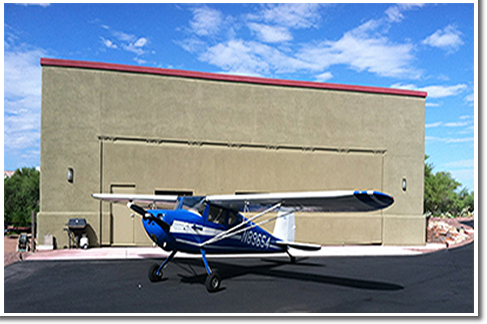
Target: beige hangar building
[(131, 129)]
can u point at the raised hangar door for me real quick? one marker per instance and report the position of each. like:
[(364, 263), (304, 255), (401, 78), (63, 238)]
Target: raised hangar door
[(213, 169)]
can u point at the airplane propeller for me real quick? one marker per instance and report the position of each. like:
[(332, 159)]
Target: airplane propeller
[(141, 211)]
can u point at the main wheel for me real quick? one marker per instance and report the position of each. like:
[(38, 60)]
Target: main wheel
[(213, 282), (153, 273)]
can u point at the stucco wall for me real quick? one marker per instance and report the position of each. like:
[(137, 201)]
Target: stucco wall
[(161, 132)]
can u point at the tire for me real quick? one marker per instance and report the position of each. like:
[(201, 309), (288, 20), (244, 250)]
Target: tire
[(153, 277), (213, 282)]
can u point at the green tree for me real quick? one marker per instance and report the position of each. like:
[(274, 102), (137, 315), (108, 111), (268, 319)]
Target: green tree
[(465, 202), (21, 196), (440, 195)]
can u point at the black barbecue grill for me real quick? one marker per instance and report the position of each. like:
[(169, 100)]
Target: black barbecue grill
[(75, 228)]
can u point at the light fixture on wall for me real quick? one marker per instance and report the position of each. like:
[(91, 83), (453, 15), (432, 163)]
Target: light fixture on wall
[(404, 184), (70, 175)]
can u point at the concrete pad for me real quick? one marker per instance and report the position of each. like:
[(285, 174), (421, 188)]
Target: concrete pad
[(119, 253)]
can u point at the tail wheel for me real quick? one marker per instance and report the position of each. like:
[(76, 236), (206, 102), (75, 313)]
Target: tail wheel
[(213, 282), (153, 276)]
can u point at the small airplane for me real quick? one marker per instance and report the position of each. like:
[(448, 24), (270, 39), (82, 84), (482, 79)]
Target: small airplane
[(215, 223)]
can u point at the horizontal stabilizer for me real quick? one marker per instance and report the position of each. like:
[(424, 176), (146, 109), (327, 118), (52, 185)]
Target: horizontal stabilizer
[(300, 246)]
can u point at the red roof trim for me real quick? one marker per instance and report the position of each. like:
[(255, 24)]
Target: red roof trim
[(227, 77)]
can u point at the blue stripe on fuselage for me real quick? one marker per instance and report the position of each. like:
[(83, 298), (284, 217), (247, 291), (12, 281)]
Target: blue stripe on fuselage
[(188, 230)]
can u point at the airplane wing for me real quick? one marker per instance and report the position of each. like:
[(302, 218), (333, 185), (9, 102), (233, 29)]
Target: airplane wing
[(315, 201), (125, 198)]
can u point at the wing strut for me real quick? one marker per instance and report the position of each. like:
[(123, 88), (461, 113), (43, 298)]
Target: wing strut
[(225, 234), (233, 231)]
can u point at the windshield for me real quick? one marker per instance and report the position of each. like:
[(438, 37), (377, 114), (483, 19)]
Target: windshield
[(193, 203)]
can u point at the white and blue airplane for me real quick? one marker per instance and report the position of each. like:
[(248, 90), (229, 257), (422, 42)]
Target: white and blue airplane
[(215, 224)]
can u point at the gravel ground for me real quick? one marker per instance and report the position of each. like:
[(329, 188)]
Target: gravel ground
[(10, 254)]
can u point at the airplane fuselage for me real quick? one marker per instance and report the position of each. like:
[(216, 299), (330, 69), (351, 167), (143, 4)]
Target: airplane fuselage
[(189, 229)]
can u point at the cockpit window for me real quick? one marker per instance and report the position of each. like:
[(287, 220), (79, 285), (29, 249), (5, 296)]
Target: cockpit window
[(222, 216)]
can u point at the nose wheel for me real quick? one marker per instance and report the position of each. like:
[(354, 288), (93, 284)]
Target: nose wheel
[(155, 271), (154, 274)]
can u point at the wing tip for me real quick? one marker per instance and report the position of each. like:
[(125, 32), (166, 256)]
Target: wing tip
[(385, 200)]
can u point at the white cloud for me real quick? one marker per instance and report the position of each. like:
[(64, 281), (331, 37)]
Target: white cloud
[(394, 13), (449, 140), (363, 49), (251, 58), (324, 77), (35, 4), (457, 124), (22, 99), (206, 21), (292, 15), (272, 24), (460, 164), (363, 52), (433, 125), (22, 72), (447, 39), (124, 37), (435, 91), (236, 56), (270, 34), (128, 42), (444, 91), (451, 124), (108, 43), (140, 42), (192, 45), (140, 61), (469, 98)]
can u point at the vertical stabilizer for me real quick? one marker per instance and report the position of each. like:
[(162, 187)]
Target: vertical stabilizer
[(284, 227)]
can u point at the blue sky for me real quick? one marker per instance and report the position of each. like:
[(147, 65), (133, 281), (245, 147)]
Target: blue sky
[(427, 47)]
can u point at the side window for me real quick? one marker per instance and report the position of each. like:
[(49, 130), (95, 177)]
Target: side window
[(221, 216), (216, 215), (232, 218)]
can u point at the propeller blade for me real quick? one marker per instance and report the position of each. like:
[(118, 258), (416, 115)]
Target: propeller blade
[(139, 210)]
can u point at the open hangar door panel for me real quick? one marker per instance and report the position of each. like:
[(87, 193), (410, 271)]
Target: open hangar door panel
[(213, 169)]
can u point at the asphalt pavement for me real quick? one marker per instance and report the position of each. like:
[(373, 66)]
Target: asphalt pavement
[(437, 282)]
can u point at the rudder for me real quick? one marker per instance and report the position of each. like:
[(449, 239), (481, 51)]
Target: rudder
[(285, 227)]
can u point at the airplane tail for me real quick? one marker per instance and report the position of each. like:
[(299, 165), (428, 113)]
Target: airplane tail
[(284, 227)]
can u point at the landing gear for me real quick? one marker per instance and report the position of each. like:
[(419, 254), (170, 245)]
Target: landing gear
[(213, 280), (293, 258), (155, 271), (154, 274)]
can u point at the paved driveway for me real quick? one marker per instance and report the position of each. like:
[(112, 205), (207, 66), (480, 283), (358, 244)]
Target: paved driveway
[(439, 282)]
